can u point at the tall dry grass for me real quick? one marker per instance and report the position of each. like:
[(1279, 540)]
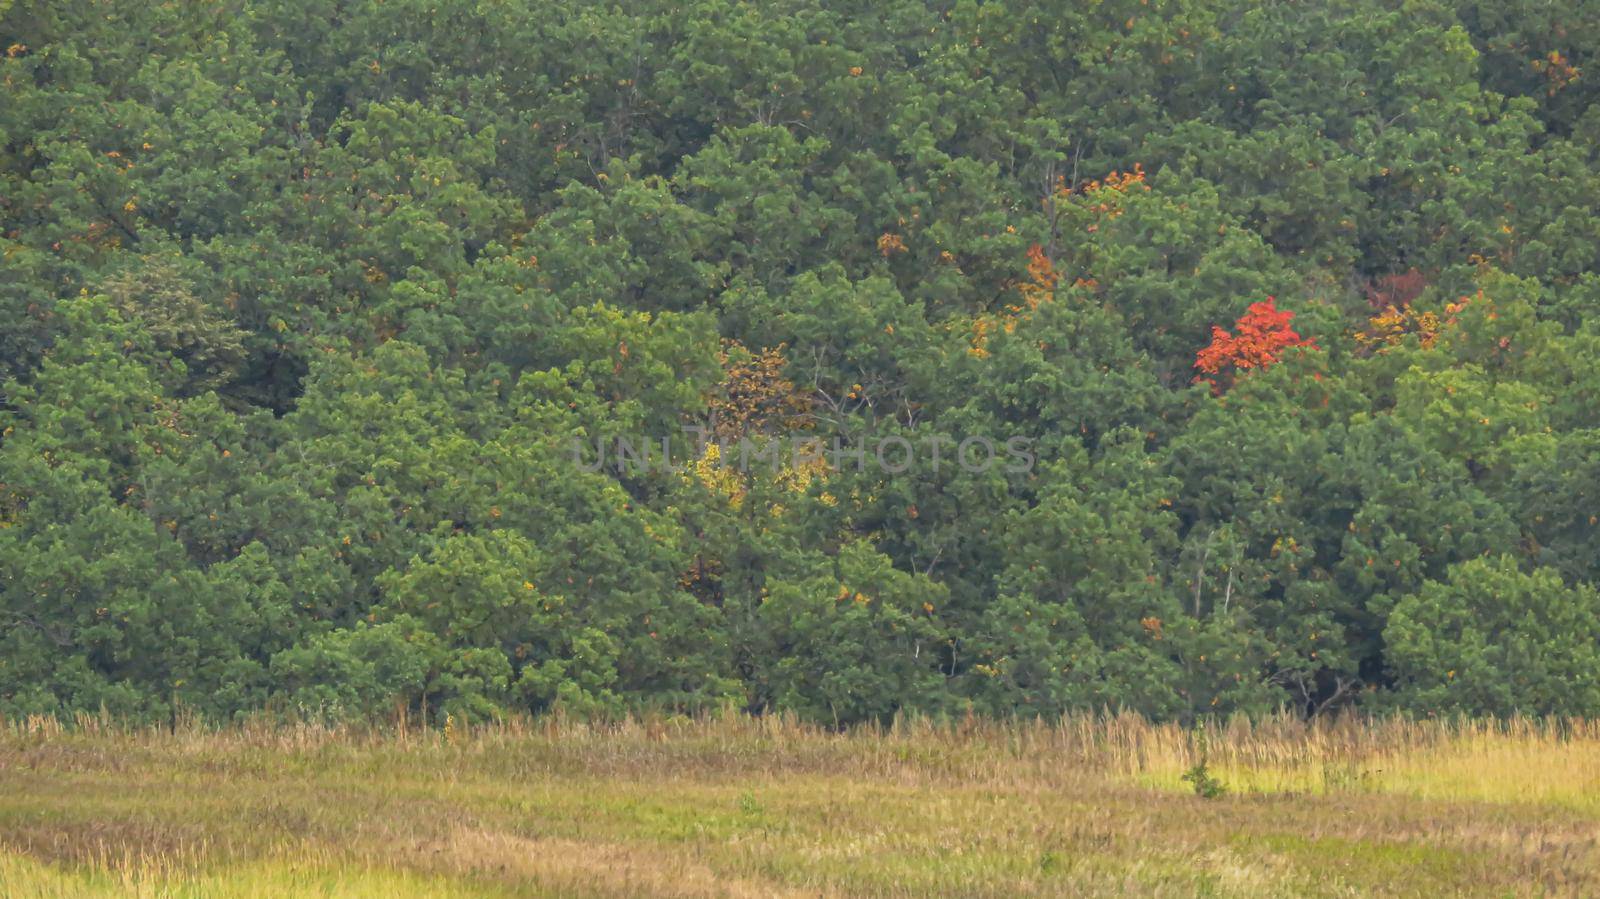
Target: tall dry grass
[(1544, 760), (727, 804)]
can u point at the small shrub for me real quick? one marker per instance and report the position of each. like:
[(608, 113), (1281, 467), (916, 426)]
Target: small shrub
[(748, 804), (1199, 776), (1205, 785)]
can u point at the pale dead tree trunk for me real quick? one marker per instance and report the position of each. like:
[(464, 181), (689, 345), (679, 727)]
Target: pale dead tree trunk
[(1200, 572), (1227, 593)]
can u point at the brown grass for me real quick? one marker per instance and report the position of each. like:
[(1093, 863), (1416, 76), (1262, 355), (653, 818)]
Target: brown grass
[(733, 806)]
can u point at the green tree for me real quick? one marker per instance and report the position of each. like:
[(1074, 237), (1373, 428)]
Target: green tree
[(1494, 639)]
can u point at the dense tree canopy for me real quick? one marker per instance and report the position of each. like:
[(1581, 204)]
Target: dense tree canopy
[(1293, 314)]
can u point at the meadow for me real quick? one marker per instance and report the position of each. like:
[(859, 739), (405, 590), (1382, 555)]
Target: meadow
[(733, 806)]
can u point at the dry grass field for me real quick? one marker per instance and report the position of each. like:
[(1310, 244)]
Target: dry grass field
[(742, 807)]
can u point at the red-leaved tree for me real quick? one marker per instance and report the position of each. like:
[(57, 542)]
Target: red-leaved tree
[(1258, 340)]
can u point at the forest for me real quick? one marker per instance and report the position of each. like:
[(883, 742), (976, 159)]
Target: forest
[(305, 306)]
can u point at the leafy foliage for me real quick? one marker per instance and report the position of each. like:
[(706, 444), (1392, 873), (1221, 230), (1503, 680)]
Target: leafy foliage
[(299, 328)]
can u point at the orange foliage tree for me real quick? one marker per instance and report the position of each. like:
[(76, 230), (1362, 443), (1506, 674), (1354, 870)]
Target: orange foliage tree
[(1258, 340), (1042, 278), (1038, 289)]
